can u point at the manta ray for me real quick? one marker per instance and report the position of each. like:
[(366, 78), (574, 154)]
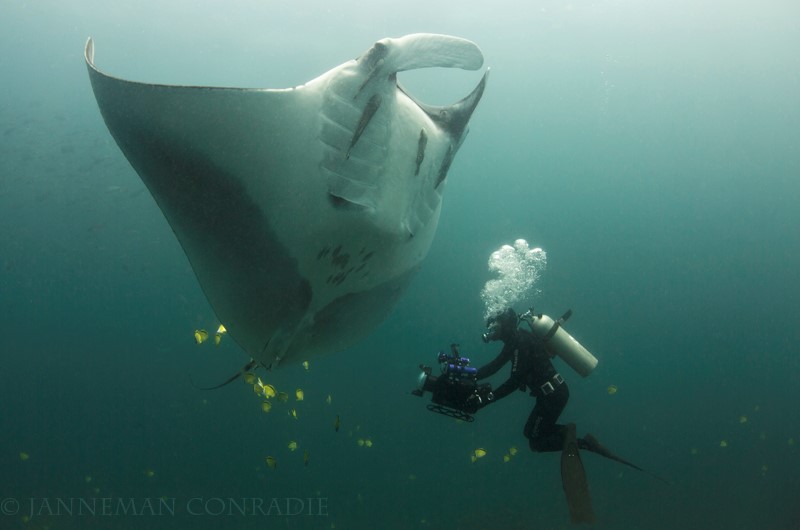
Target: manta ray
[(305, 211)]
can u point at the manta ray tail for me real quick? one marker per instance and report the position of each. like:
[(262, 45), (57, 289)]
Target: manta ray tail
[(231, 379)]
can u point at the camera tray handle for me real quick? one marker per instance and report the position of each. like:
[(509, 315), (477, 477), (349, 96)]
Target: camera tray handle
[(452, 413)]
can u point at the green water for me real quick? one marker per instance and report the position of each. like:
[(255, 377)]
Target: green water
[(651, 150)]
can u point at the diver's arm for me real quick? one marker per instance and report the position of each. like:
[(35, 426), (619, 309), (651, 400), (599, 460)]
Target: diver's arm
[(492, 368), (505, 389)]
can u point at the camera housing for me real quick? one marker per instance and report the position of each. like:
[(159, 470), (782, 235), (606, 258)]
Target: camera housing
[(456, 391)]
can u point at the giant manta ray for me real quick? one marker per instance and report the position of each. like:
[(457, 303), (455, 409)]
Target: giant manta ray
[(303, 211)]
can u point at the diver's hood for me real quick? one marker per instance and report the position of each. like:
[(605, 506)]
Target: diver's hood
[(501, 326)]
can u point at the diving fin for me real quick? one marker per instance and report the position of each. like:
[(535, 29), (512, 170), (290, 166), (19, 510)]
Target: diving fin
[(573, 479), (590, 443)]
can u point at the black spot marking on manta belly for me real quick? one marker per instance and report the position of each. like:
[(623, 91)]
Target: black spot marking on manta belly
[(423, 141), (339, 258), (337, 279)]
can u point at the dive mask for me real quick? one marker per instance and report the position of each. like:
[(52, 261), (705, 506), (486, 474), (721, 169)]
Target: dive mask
[(495, 331)]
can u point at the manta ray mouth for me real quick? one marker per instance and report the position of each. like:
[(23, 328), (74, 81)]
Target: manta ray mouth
[(361, 126), (388, 57)]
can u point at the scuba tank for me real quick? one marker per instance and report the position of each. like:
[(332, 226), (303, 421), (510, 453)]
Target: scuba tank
[(558, 342)]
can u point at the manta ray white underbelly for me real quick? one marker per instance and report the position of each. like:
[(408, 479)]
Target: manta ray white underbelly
[(305, 211)]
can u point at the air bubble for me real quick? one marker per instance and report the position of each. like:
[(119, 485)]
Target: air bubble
[(519, 268)]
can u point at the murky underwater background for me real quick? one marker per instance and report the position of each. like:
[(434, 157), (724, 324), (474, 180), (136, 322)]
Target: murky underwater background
[(650, 149)]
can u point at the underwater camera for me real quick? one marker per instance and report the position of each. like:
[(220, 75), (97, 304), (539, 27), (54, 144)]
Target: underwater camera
[(456, 392)]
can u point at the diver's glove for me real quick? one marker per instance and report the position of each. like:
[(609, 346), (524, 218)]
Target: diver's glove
[(475, 402)]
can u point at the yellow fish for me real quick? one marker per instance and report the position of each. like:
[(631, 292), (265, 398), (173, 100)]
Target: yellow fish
[(293, 413), (472, 458), (299, 394), (328, 399), (506, 458), (305, 365), (723, 443), (266, 406), (283, 396), (611, 390), (250, 378), (368, 442), (24, 456), (512, 451), (292, 446), (742, 419), (360, 442), (271, 462), (479, 452), (258, 389), (221, 330), (200, 336), (269, 391), (306, 457), (150, 473)]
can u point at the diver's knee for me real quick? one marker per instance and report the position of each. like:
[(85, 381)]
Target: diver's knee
[(535, 445), (532, 428)]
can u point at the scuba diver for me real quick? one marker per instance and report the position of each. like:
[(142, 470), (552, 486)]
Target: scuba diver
[(532, 370), (458, 394)]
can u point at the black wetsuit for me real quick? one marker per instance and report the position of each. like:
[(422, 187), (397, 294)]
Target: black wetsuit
[(532, 369)]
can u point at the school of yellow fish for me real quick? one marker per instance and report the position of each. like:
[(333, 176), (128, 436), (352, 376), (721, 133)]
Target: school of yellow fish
[(201, 335), (268, 392)]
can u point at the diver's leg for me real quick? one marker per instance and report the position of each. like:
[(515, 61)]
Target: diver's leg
[(533, 425), (541, 429)]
